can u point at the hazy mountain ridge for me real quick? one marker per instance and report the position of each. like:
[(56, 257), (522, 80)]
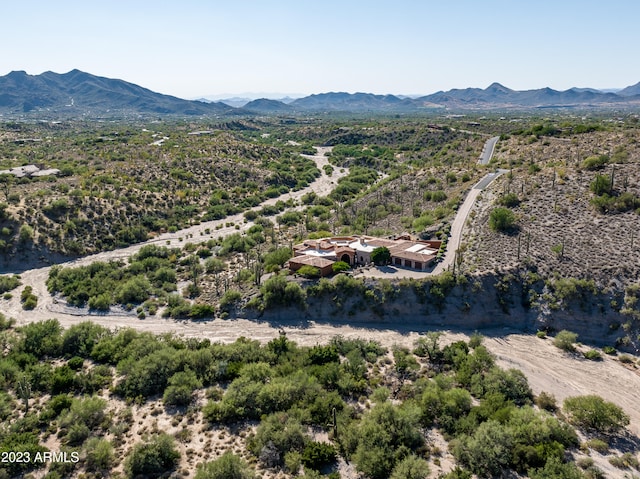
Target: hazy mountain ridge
[(77, 92)]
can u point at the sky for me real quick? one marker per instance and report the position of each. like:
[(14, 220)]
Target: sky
[(202, 48)]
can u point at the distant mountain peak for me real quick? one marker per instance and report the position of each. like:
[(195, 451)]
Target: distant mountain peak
[(497, 87)]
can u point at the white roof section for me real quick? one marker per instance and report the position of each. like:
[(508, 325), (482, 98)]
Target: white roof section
[(319, 253), (49, 172), (360, 246), (29, 170)]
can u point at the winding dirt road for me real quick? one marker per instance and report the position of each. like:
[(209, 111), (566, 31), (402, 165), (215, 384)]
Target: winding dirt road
[(47, 306), (546, 367)]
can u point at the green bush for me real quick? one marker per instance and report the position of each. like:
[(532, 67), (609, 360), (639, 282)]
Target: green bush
[(381, 255), (502, 220), (411, 467), (152, 458), (593, 355), (510, 200), (227, 466), (41, 339), (340, 267), (180, 389), (8, 283), (318, 455), (593, 414), (277, 291), (230, 298), (309, 271), (565, 340), (277, 434), (595, 162), (487, 451), (554, 468), (99, 455), (601, 184), (374, 443)]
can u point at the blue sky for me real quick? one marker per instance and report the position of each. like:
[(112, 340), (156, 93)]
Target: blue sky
[(196, 48)]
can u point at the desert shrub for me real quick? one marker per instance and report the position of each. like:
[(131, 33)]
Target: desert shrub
[(55, 406), (77, 433), (373, 443), (277, 257), (593, 355), (148, 375), (152, 458), (512, 384), (626, 461), (62, 379), (134, 291), (230, 298), (6, 323), (554, 468), (487, 451), (411, 467), (8, 283), (595, 162), (438, 196), (27, 442), (404, 361), (509, 200), (41, 339), (227, 466), (28, 299), (597, 445), (593, 414), (323, 354), (309, 271), (179, 392), (277, 434), (340, 267), (89, 411), (502, 220), (546, 401), (255, 393), (278, 291), (79, 339), (99, 455), (601, 185), (318, 455), (565, 340), (537, 437), (202, 310), (626, 359), (368, 350), (6, 405), (214, 265), (236, 243)]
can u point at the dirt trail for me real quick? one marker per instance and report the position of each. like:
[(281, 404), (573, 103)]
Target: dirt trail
[(547, 368), (47, 306)]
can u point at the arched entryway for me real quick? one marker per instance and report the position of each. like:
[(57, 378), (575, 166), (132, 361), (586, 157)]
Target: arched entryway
[(346, 258)]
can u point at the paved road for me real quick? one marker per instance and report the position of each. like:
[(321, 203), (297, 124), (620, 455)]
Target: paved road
[(461, 218), (457, 226), (487, 151)]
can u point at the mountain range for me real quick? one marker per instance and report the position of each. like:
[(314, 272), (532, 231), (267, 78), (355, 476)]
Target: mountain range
[(80, 93)]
